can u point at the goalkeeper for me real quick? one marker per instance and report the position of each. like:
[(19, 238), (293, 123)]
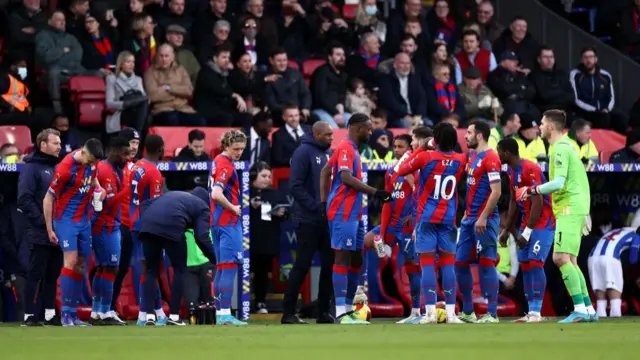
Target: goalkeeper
[(570, 201)]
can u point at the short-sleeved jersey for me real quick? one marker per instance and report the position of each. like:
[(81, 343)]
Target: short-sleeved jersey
[(110, 178), (483, 170), (146, 183), (223, 174), (575, 197), (416, 190), (72, 188), (344, 203), (527, 174), (615, 242), (440, 175), (401, 196), (125, 216)]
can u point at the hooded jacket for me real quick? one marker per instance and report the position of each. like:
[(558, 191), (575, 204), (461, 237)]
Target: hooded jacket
[(33, 183)]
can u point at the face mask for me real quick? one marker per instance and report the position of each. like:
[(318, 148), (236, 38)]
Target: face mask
[(22, 71), (11, 159), (251, 35), (371, 10)]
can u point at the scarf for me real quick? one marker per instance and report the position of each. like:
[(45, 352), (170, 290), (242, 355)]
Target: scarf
[(445, 28), (446, 97), (147, 50), (250, 47), (372, 62), (104, 48)]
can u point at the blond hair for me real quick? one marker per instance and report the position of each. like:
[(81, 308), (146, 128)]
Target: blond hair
[(231, 137), (122, 57), (139, 22), (44, 136)]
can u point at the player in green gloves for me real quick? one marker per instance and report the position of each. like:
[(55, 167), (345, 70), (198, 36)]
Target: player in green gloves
[(571, 201)]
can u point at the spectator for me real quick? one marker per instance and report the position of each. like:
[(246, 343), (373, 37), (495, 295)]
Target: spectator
[(580, 136), (631, 151), (258, 146), (126, 15), (45, 258), (490, 27), (169, 89), (293, 29), (413, 28), (595, 97), (75, 15), (479, 101), (528, 138), (99, 44), (473, 55), (14, 101), (516, 39), (553, 89), (442, 95), (268, 27), (68, 136), (440, 56), (475, 27), (214, 98), (143, 43), (378, 119), (396, 25), (410, 47), (380, 144), (288, 88), (629, 37), (329, 89), (174, 14), (326, 27), (193, 152), (219, 37), (441, 24), (249, 83), (24, 23), (357, 99), (184, 56), (507, 127), (10, 154), (363, 64), (402, 95), (253, 42), (369, 20), (267, 211), (60, 55), (287, 139), (126, 97), (205, 22), (511, 85)]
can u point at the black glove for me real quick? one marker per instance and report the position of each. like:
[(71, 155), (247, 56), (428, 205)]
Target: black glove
[(383, 195), (323, 210)]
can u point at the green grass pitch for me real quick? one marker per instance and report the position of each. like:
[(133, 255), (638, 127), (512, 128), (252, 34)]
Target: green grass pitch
[(611, 340)]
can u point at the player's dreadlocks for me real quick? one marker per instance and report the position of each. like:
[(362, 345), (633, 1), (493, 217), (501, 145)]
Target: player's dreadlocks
[(445, 136)]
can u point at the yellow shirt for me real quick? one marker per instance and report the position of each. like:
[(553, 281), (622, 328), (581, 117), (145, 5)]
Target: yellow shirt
[(587, 151), (533, 150)]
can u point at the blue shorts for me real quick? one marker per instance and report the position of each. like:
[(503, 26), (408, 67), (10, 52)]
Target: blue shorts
[(137, 253), (435, 237), (346, 235), (74, 236), (472, 245), (106, 247), (403, 240), (227, 244), (538, 246)]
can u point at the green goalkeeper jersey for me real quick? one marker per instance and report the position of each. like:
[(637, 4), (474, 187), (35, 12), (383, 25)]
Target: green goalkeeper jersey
[(574, 198)]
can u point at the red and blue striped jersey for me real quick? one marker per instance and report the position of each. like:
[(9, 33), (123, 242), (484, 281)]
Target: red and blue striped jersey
[(527, 173), (146, 183), (400, 206), (223, 174), (416, 191), (72, 187), (440, 175), (125, 217), (483, 170), (344, 203), (110, 179)]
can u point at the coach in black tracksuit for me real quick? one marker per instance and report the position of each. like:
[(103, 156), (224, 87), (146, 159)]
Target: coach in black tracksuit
[(163, 222), (313, 229), (45, 258)]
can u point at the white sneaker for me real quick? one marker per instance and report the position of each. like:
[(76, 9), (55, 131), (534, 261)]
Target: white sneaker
[(262, 308), (360, 297), (429, 319), (454, 320), (523, 319), (114, 316), (535, 318), (411, 317)]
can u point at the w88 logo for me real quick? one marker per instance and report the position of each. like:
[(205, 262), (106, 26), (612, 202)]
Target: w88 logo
[(397, 194)]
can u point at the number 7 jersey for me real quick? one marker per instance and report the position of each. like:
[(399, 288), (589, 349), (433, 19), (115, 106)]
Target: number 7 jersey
[(437, 185)]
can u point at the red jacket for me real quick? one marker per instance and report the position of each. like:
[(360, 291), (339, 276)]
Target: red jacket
[(482, 61)]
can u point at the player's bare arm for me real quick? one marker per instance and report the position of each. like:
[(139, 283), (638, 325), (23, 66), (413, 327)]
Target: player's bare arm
[(47, 209), (350, 181), (512, 212), (218, 196), (496, 191)]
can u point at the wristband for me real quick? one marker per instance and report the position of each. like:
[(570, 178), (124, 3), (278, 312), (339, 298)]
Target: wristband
[(535, 191), (526, 233)]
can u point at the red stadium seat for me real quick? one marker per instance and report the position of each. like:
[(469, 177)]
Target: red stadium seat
[(349, 11), (338, 136), (176, 137), (86, 85), (605, 156), (19, 135), (89, 112), (293, 64), (309, 66), (88, 95)]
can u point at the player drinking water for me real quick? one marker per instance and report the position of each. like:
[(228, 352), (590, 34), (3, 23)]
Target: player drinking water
[(480, 225), (537, 225), (66, 208), (341, 190), (440, 173), (571, 202)]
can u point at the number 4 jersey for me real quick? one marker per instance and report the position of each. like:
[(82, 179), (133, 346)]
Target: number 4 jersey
[(437, 185)]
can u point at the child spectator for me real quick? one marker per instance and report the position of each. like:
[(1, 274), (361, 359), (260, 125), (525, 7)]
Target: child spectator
[(357, 99)]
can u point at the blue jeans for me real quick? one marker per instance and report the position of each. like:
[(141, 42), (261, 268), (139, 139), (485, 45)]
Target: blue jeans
[(177, 118), (324, 116)]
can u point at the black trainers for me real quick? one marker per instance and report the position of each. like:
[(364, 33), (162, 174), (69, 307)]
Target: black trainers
[(54, 321), (176, 323), (292, 319), (96, 322), (31, 321), (110, 321)]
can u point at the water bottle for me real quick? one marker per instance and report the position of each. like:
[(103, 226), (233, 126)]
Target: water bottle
[(210, 313), (193, 314), (97, 203), (378, 244)]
